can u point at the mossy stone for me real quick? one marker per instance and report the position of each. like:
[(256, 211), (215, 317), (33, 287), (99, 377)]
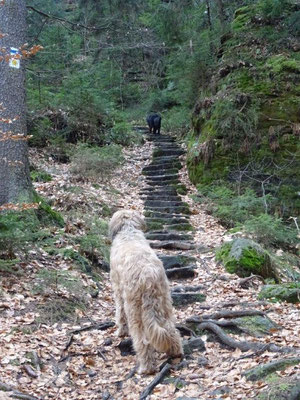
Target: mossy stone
[(263, 370), (245, 257), (289, 292), (255, 325)]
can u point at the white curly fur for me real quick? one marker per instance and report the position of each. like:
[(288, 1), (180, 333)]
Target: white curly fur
[(141, 290)]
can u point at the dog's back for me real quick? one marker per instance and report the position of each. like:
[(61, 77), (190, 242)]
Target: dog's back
[(139, 278), (154, 123)]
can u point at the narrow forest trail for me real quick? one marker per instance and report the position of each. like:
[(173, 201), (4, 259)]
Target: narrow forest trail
[(83, 358)]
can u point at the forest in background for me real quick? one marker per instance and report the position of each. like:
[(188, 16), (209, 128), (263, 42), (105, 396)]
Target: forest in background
[(223, 74)]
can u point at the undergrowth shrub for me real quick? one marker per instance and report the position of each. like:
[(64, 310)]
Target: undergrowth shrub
[(96, 163), (177, 120), (18, 230), (21, 229), (270, 231), (272, 9), (121, 133), (228, 207), (94, 243), (40, 176), (233, 121)]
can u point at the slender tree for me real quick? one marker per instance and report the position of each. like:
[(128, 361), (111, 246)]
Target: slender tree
[(221, 13), (14, 165)]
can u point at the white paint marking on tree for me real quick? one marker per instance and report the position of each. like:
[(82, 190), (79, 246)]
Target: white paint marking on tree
[(14, 62)]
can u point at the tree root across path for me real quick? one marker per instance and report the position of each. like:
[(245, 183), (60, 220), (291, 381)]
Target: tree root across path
[(15, 394)]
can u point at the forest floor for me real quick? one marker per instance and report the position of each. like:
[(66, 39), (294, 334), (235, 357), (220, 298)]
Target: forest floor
[(75, 359)]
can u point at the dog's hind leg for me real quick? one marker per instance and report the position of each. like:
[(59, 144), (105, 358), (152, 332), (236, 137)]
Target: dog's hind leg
[(121, 320), (143, 349)]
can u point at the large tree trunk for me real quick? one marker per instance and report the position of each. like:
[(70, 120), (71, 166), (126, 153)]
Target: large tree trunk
[(15, 182)]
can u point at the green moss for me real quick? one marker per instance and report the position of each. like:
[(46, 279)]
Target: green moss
[(245, 257), (45, 213), (40, 176), (154, 226), (256, 325), (181, 227), (280, 63), (289, 292)]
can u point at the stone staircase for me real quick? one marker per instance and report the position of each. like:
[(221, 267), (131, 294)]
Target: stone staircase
[(167, 217)]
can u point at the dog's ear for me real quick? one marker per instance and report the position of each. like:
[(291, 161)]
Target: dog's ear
[(138, 221), (115, 225)]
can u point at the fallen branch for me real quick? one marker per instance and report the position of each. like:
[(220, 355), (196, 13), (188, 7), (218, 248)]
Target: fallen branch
[(159, 377), (101, 327)]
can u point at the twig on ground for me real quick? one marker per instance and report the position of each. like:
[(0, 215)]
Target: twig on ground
[(101, 327)]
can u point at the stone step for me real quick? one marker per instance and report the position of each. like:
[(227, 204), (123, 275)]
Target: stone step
[(167, 236), (163, 165), (157, 191), (183, 295), (163, 203), (162, 183), (162, 178), (157, 214), (160, 138), (161, 197), (180, 227), (177, 261), (159, 172), (181, 273), (164, 159), (181, 209), (167, 152), (166, 147), (172, 245)]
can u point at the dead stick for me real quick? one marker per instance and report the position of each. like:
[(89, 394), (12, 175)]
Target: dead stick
[(101, 327), (159, 377)]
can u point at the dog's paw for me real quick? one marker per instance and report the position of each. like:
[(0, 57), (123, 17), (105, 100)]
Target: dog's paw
[(122, 331), (146, 369)]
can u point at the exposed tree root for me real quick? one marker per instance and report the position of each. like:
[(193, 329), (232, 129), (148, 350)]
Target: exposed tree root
[(244, 346), (158, 378), (15, 394)]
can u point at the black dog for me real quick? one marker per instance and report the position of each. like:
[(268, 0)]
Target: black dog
[(154, 122)]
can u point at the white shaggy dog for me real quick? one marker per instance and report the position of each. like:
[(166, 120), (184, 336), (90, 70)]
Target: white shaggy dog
[(141, 290)]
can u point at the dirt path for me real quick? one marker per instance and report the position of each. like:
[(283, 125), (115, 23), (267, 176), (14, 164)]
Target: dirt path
[(82, 359)]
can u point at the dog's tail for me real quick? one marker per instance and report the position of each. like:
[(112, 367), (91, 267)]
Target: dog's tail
[(161, 332)]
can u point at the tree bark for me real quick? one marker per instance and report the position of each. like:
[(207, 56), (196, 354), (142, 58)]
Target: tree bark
[(221, 13), (15, 182)]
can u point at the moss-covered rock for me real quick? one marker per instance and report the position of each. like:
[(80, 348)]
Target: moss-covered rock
[(245, 257), (289, 292), (281, 389), (263, 370), (255, 325)]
